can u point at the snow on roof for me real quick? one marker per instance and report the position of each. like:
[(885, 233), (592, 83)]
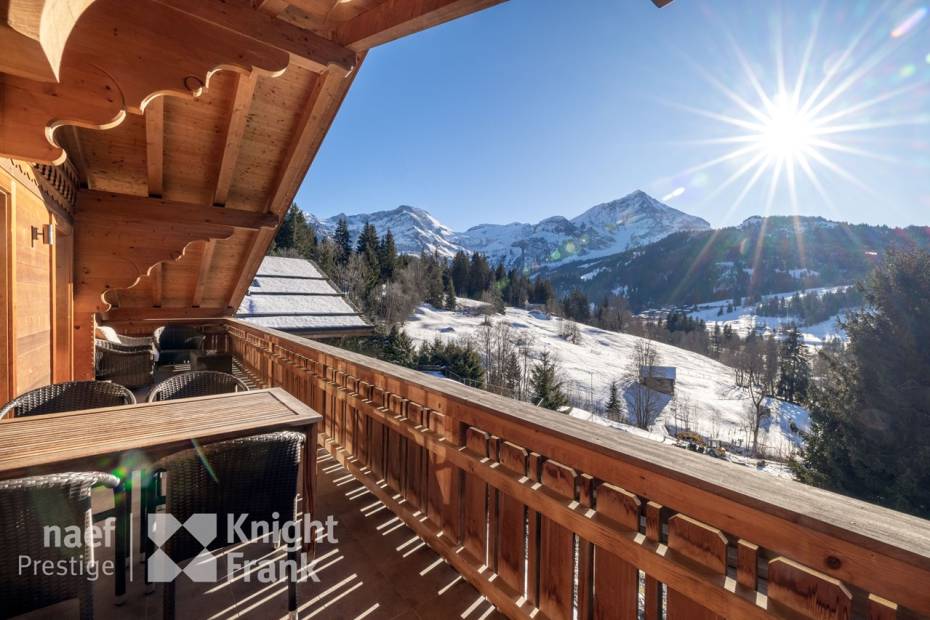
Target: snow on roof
[(658, 372), (289, 268), (292, 294)]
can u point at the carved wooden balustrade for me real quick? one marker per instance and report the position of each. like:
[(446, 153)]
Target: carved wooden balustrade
[(549, 516)]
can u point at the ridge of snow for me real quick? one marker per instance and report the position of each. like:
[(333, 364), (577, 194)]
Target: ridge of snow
[(608, 228)]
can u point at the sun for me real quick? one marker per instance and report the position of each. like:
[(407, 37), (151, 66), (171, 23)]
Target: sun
[(788, 133), (780, 132)]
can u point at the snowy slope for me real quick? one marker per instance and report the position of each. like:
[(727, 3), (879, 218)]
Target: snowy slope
[(609, 228), (743, 319), (601, 356)]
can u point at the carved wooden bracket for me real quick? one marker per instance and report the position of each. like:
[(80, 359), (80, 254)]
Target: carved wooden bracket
[(119, 57), (118, 239), (33, 35)]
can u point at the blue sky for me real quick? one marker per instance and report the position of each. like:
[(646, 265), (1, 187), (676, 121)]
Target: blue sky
[(537, 108)]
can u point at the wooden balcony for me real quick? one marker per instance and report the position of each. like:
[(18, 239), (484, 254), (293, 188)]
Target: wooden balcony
[(547, 516)]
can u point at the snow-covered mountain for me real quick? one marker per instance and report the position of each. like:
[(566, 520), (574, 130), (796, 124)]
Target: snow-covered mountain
[(414, 229), (634, 220)]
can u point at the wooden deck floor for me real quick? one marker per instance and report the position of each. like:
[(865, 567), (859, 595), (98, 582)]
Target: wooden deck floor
[(377, 569)]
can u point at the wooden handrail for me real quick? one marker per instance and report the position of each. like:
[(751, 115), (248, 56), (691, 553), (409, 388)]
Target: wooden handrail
[(507, 488)]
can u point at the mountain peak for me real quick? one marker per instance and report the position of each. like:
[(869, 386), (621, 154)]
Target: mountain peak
[(608, 228)]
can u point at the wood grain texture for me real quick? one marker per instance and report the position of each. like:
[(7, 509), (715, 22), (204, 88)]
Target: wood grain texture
[(393, 19), (54, 442), (155, 145), (511, 522), (556, 548), (702, 544), (306, 49), (616, 581), (807, 591), (235, 129), (475, 501), (6, 289), (645, 471)]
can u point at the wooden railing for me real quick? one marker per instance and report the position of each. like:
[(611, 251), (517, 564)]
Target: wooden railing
[(552, 516)]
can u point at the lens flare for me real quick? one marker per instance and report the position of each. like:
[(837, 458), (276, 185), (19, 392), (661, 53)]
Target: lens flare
[(675, 193), (910, 23)]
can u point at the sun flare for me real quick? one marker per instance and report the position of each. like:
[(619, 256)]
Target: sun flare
[(780, 132), (788, 133)]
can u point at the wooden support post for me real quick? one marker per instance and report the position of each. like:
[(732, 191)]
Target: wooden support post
[(747, 567), (654, 515), (585, 583)]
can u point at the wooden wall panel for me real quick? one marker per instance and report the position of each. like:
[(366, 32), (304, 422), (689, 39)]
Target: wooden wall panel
[(32, 294), (6, 366), (63, 303)]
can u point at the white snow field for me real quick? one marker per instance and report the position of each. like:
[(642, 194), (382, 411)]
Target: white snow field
[(744, 319), (718, 407)]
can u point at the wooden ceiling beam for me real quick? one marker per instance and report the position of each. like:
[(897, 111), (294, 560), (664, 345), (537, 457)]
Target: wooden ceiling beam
[(322, 104), (161, 314), (272, 7), (235, 128), (393, 19), (307, 49), (155, 145), (206, 260), (139, 208)]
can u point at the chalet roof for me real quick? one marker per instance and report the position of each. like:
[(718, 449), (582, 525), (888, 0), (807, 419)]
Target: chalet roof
[(658, 372), (292, 294)]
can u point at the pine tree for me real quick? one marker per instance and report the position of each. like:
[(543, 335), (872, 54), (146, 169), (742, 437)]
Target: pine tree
[(613, 402), (500, 273), (869, 414), (460, 272), (296, 234), (387, 255), (367, 248), (479, 275), (545, 384), (794, 368), (448, 288), (343, 241), (399, 348)]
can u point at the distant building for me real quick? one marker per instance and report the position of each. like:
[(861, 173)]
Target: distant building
[(293, 295), (658, 378)]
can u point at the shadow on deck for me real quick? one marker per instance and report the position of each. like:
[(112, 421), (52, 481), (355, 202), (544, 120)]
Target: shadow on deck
[(378, 569)]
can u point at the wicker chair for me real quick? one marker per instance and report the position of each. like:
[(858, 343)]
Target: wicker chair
[(71, 396), (125, 365), (133, 342), (27, 505), (254, 476), (196, 383), (175, 343)]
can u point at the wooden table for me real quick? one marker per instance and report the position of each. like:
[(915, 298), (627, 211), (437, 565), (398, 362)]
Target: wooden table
[(120, 439)]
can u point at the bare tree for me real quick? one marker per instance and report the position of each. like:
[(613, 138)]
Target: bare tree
[(644, 402), (569, 330), (756, 383)]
